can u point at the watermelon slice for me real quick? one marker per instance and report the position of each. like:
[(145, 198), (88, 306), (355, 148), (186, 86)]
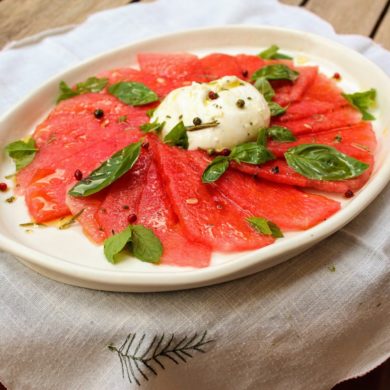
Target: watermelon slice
[(123, 197), (278, 171), (71, 128), (162, 86), (88, 207), (179, 67), (312, 94), (288, 92), (155, 212), (342, 117), (284, 205), (249, 64), (355, 141), (140, 192), (46, 197), (218, 65), (205, 215)]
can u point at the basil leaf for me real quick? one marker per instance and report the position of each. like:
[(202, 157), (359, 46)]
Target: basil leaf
[(22, 152), (265, 88), (92, 84), (150, 112), (262, 137), (251, 153), (272, 54), (276, 109), (66, 92), (215, 169), (177, 136), (112, 169), (276, 72), (266, 227), (322, 162), (280, 134), (152, 126), (363, 101), (133, 93), (116, 243), (145, 245)]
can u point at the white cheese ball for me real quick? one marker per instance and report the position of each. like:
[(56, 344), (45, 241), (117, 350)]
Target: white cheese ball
[(240, 110)]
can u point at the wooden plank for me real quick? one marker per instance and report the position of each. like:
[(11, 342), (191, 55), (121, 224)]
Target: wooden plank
[(29, 17), (382, 35), (291, 2), (349, 16)]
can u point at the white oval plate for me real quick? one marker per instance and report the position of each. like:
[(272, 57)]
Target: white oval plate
[(68, 256)]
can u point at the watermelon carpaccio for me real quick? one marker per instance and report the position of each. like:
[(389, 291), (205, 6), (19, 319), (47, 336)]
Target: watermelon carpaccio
[(164, 188)]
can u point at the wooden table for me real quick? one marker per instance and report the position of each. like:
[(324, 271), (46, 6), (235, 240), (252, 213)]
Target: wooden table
[(21, 18)]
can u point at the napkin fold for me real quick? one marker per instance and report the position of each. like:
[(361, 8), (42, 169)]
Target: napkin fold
[(308, 323)]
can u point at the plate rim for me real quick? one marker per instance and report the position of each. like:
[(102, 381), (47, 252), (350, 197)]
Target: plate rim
[(124, 280)]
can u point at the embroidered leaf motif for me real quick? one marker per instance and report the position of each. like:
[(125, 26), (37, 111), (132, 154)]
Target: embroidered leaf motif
[(139, 359)]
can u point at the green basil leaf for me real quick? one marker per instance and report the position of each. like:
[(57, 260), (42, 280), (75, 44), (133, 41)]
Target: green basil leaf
[(262, 137), (145, 245), (251, 153), (363, 101), (133, 93), (276, 72), (215, 169), (66, 92), (322, 162), (272, 54), (92, 84), (150, 112), (152, 126), (280, 134), (116, 243), (22, 152), (112, 169), (265, 88), (264, 226), (276, 109), (177, 136)]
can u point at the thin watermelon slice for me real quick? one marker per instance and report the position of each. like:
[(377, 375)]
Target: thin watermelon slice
[(123, 197), (162, 86), (320, 95), (249, 64), (140, 192), (325, 89), (88, 208), (284, 205), (155, 212), (287, 92), (205, 215), (278, 171), (355, 141), (46, 197), (217, 65), (342, 117), (71, 128), (179, 67)]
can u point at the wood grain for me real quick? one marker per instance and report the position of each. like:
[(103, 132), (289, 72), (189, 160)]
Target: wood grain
[(349, 16), (291, 2), (20, 18)]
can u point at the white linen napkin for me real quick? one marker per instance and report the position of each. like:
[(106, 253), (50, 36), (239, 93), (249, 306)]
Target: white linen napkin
[(309, 323)]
